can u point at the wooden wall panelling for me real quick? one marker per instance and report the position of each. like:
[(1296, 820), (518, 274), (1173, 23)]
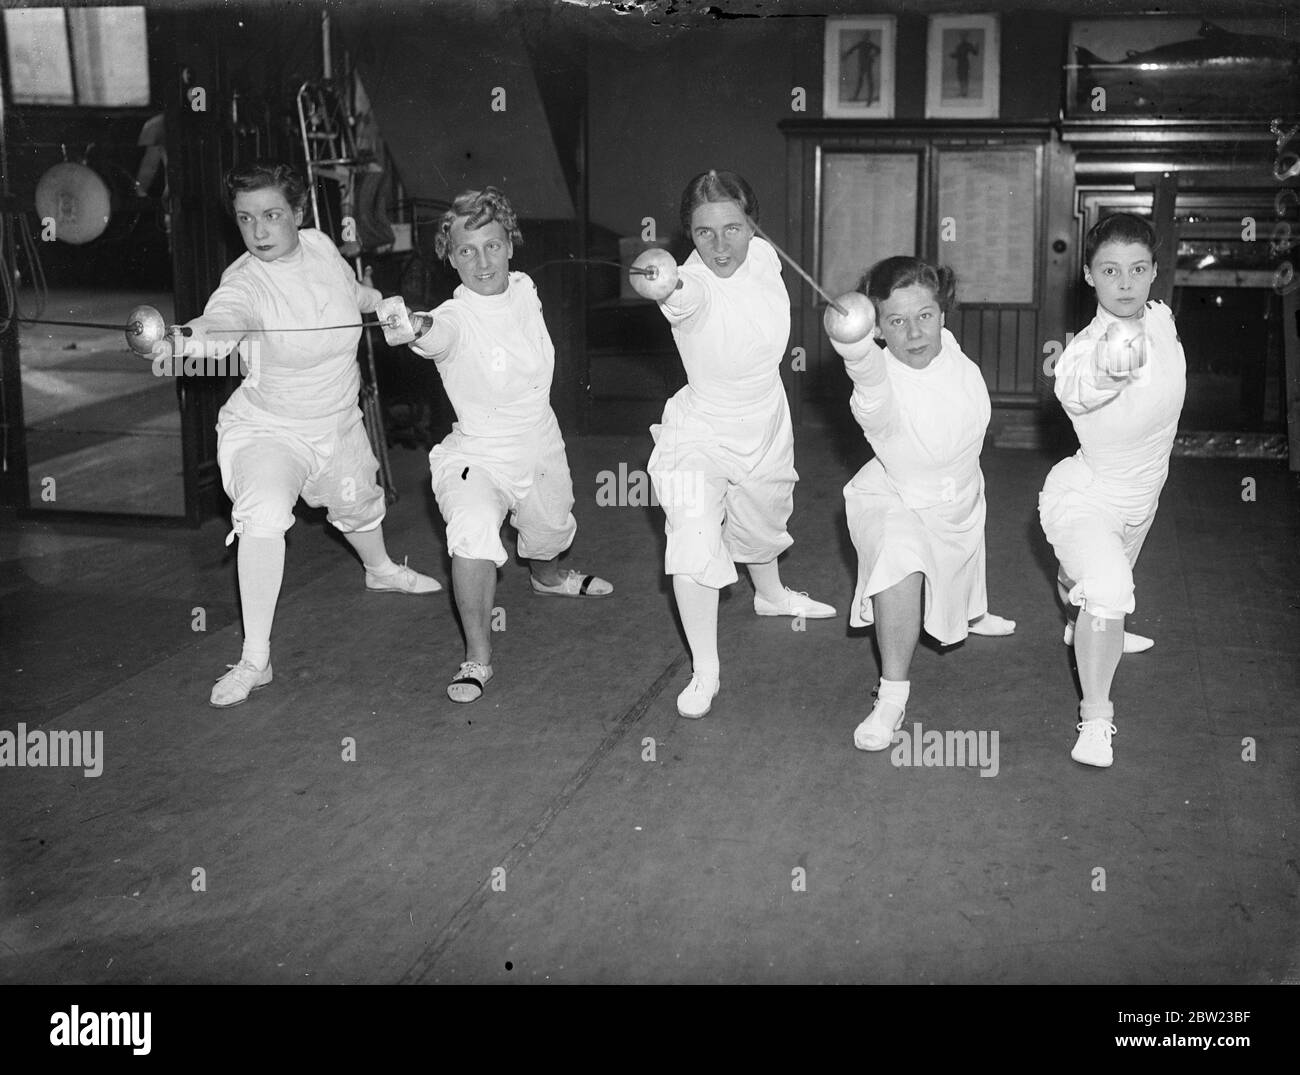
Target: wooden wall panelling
[(1004, 338)]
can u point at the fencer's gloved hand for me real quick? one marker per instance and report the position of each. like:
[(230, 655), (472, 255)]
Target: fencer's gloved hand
[(654, 274), (149, 336), (395, 320), (853, 322), (1122, 352)]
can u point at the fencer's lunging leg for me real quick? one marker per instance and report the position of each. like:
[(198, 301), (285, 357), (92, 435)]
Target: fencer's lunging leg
[(698, 607), (474, 583), (1098, 645), (767, 581), (898, 625), (260, 562), (370, 547), (261, 570)]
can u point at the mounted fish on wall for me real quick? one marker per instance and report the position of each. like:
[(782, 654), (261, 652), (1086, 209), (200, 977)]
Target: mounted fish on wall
[(1159, 67)]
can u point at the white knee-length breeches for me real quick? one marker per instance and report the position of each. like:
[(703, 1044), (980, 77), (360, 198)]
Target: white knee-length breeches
[(267, 462), (720, 507), (1096, 541), (474, 498)]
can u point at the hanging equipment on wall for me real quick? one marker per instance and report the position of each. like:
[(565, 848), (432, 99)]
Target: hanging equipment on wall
[(76, 199)]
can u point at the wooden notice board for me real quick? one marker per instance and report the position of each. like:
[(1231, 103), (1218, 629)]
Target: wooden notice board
[(987, 223), (869, 206)]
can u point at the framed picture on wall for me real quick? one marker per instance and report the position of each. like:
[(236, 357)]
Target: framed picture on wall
[(858, 81), (962, 67)]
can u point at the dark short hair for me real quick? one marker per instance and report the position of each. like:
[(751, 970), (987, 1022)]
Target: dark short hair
[(481, 207), (1119, 228), (884, 277), (258, 175), (715, 186)]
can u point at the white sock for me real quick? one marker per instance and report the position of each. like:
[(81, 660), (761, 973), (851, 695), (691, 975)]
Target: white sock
[(261, 570), (1097, 711), (767, 582), (258, 656), (895, 691), (369, 545)]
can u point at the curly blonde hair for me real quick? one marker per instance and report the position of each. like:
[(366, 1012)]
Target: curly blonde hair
[(477, 207)]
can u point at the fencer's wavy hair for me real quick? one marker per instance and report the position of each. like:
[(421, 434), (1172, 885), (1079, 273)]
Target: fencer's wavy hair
[(1119, 228), (884, 277), (479, 208), (715, 186), (260, 174)]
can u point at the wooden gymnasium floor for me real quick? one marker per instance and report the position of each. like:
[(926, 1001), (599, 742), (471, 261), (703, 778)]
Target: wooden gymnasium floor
[(98, 422), (532, 837)]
